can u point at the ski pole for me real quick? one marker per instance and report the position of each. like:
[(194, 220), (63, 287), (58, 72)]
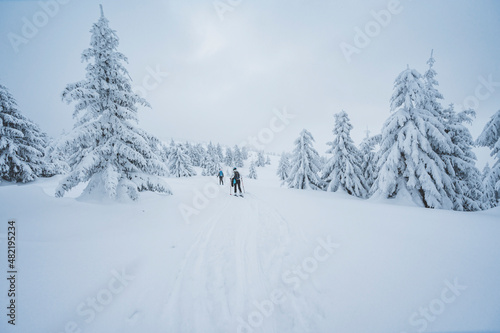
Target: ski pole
[(243, 184)]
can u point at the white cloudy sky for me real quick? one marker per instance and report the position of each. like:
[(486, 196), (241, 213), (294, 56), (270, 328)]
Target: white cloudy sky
[(226, 76)]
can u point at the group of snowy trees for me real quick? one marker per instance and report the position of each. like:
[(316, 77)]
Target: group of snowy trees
[(23, 147), (424, 150), (105, 149), (425, 153)]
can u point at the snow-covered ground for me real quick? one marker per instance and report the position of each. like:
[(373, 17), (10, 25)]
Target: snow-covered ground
[(278, 260)]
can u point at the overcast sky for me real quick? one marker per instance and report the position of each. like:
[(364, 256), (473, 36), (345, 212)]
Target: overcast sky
[(229, 68)]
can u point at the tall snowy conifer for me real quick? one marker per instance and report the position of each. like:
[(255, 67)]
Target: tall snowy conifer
[(460, 162), (220, 153), (490, 196), (22, 144), (180, 163), (368, 160), (431, 103), (252, 171), (107, 150), (283, 167), (343, 170), (305, 165), (490, 137), (211, 164), (238, 158), (408, 161), (244, 152), (261, 160), (229, 157)]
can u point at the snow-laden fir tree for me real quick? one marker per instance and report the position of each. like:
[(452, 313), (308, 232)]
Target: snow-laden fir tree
[(268, 160), (407, 159), (431, 103), (211, 164), (490, 137), (220, 153), (56, 156), (197, 155), (283, 167), (261, 160), (244, 153), (460, 161), (305, 167), (252, 171), (343, 170), (368, 160), (490, 197), (22, 144), (465, 193), (165, 151), (107, 149), (229, 160), (237, 157), (180, 163)]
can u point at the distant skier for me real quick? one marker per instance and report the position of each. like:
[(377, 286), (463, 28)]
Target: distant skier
[(236, 181), (221, 177)]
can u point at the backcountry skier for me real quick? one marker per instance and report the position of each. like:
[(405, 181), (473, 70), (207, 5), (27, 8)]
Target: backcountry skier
[(236, 182), (221, 177)]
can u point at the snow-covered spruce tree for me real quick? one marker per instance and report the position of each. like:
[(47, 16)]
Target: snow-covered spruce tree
[(229, 160), (220, 153), (460, 162), (283, 167), (180, 163), (56, 156), (304, 164), (252, 171), (407, 159), (197, 155), (368, 160), (268, 160), (490, 196), (22, 144), (244, 153), (107, 150), (343, 170), (238, 158), (431, 103), (490, 137), (211, 164), (261, 160)]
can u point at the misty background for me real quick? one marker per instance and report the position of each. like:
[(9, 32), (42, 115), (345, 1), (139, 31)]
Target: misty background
[(230, 63)]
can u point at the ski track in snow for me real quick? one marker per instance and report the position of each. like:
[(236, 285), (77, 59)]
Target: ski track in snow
[(237, 259)]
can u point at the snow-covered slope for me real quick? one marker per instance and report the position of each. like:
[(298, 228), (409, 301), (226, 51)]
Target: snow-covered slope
[(278, 260)]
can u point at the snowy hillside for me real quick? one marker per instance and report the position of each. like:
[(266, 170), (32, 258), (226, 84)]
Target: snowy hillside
[(278, 260)]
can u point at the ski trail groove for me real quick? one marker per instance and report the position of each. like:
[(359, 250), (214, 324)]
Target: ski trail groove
[(235, 263)]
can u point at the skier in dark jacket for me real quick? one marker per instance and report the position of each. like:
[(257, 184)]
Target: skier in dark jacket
[(221, 177), (236, 181)]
